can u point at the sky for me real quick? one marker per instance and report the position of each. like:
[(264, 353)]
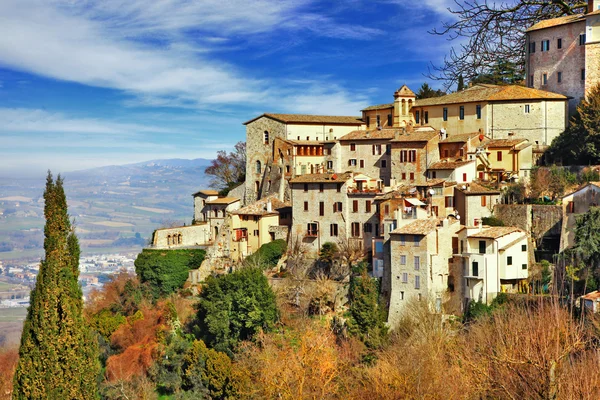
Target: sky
[(86, 83)]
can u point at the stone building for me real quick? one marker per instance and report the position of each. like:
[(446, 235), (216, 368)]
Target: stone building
[(391, 115), (573, 205), (504, 160), (368, 152), (564, 54), (495, 260), (217, 210), (412, 153), (474, 202), (455, 171), (201, 197), (261, 133), (181, 236)]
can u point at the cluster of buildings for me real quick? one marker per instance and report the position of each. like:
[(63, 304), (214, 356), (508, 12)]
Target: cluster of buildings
[(409, 182)]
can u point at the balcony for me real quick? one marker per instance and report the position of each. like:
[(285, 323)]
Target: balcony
[(311, 234)]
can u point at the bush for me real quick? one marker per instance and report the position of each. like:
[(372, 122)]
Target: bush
[(492, 221), (268, 255), (166, 270), (235, 307)]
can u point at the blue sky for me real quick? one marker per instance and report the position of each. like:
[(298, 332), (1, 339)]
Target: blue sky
[(86, 83)]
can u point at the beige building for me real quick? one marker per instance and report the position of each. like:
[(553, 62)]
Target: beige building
[(573, 205), (474, 202), (201, 197), (367, 152), (217, 210), (392, 115), (182, 236), (495, 260), (504, 160), (564, 54), (498, 111), (454, 171), (413, 151)]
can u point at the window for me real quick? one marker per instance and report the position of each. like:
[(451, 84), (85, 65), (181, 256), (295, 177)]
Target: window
[(312, 228), (417, 115), (417, 282), (402, 240), (390, 123), (362, 163), (384, 164), (583, 74), (287, 169), (368, 121), (461, 152), (416, 240), (527, 109), (355, 229), (352, 146), (368, 206), (462, 112), (559, 43), (306, 206), (258, 167), (531, 80), (433, 174), (412, 156), (321, 187), (532, 47), (482, 246), (478, 110), (523, 247), (523, 266), (404, 176), (404, 278), (417, 263), (545, 45), (354, 205), (483, 201), (337, 206), (339, 187), (321, 208), (412, 176), (256, 232), (582, 39), (445, 114), (499, 155), (333, 230), (402, 295), (376, 149), (446, 153), (388, 149), (509, 260), (266, 137), (352, 162), (378, 121), (475, 268), (449, 202), (386, 209), (402, 260), (306, 187), (426, 117), (464, 177), (559, 76), (329, 164), (368, 228)]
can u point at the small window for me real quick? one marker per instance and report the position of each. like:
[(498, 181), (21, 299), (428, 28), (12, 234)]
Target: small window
[(266, 137), (404, 278), (306, 187), (478, 110), (329, 164), (530, 80), (426, 117), (339, 187), (483, 201), (544, 79), (412, 176), (583, 74), (402, 240), (417, 263), (404, 176), (306, 206), (416, 241), (367, 228), (337, 206), (532, 47), (445, 114), (386, 209), (378, 121), (321, 187), (402, 260), (367, 206), (582, 39), (333, 230), (388, 149), (352, 146), (545, 45), (559, 43), (464, 177), (321, 208), (352, 162), (384, 164), (559, 76), (475, 268), (499, 155), (362, 163), (418, 283), (523, 266), (527, 109), (482, 246), (355, 206), (417, 116), (523, 247), (390, 123), (355, 229), (258, 167), (368, 121), (462, 112), (509, 260)]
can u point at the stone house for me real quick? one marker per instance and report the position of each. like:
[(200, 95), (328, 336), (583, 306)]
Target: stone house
[(412, 153), (495, 260), (574, 204), (474, 202), (455, 171), (590, 302), (261, 133), (391, 115), (419, 268), (564, 54), (182, 236), (258, 223), (504, 160), (458, 147), (200, 208), (498, 111), (217, 210), (368, 152)]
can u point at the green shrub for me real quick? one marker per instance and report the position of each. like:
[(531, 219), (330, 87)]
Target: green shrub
[(166, 270), (268, 255), (492, 221)]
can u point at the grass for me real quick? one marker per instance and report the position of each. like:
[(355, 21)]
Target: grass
[(13, 314)]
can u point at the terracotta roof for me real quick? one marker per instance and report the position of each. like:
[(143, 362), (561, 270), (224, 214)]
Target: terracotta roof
[(306, 142), (418, 227), (379, 107), (437, 182), (549, 23), (224, 200), (386, 134), (260, 207), (423, 136), (581, 187), (311, 119), (495, 232), (322, 178), (595, 295), (504, 142), (404, 91), (446, 165), (460, 138), (486, 92), (475, 189), (207, 192)]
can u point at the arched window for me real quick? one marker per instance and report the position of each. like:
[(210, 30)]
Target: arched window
[(266, 137), (404, 107), (256, 186), (258, 166), (168, 240), (179, 239)]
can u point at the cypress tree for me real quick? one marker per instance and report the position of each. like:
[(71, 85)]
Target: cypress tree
[(58, 357)]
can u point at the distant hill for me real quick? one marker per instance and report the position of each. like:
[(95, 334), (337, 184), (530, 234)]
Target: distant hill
[(115, 207)]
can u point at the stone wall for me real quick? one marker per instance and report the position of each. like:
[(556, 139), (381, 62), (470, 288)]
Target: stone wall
[(592, 65), (193, 235), (280, 231)]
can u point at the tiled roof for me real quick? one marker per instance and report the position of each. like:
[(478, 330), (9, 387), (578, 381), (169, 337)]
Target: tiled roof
[(322, 178), (595, 295), (224, 200), (371, 134), (446, 165), (206, 192), (418, 227), (486, 92), (549, 23), (423, 136), (504, 142), (495, 232), (311, 119), (437, 182), (476, 189), (404, 91), (379, 107), (460, 138), (260, 207), (581, 187)]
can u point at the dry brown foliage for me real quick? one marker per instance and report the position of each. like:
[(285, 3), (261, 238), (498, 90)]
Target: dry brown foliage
[(8, 364)]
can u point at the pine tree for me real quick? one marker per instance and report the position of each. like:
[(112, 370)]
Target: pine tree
[(461, 83), (58, 354)]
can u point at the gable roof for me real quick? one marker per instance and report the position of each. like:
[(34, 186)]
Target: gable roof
[(310, 119), (448, 165), (477, 189), (495, 232), (504, 142), (552, 22), (460, 138), (206, 192), (404, 91), (260, 207), (384, 134), (491, 93), (418, 227), (379, 107), (223, 200), (415, 136), (584, 186)]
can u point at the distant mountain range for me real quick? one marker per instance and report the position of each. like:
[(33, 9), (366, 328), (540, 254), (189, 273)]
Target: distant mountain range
[(113, 206)]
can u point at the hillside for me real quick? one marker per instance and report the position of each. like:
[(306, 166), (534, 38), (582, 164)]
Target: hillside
[(114, 207)]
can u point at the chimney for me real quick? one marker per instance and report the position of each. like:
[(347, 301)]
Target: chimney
[(269, 206)]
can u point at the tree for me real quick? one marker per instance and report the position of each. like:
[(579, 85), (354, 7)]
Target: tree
[(489, 31), (501, 73), (587, 241), (58, 357), (235, 307), (228, 170), (426, 92)]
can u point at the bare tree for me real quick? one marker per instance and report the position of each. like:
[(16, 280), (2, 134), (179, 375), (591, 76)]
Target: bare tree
[(491, 36), (228, 169)]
